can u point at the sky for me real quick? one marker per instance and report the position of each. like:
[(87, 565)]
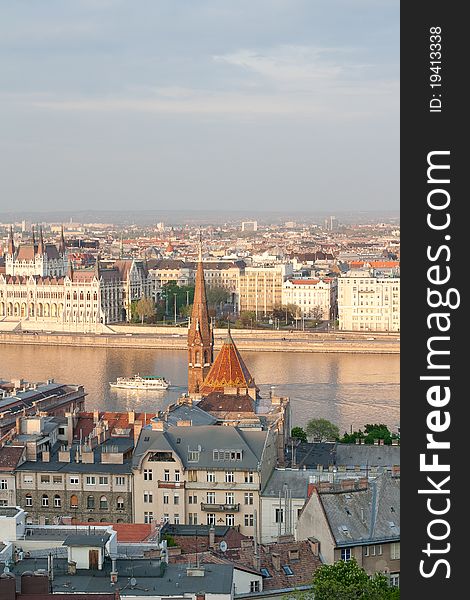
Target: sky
[(199, 104)]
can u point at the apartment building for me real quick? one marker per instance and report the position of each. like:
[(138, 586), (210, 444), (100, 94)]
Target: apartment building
[(209, 475), (368, 301), (260, 288), (316, 298)]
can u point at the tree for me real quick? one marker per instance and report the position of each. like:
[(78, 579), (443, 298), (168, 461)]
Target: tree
[(346, 580), (145, 308), (317, 313), (371, 433), (321, 430), (247, 318), (299, 434), (286, 313), (217, 295)]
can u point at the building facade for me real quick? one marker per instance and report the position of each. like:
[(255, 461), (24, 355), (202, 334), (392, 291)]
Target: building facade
[(368, 302), (260, 288), (316, 298)]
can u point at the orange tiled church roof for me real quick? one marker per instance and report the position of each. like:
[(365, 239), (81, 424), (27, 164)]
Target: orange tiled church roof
[(228, 370)]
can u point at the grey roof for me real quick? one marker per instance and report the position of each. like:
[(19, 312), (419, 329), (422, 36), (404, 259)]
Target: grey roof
[(185, 412), (367, 455), (365, 516), (83, 539), (296, 481), (312, 454), (193, 530), (206, 438), (150, 581)]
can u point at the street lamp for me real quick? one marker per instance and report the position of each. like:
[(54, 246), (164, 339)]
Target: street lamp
[(174, 295)]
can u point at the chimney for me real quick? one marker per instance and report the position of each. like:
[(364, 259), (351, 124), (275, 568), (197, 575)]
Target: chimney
[(96, 416), (314, 546), (184, 423), (131, 417), (46, 456), (137, 430), (211, 536), (276, 560), (7, 586), (158, 426), (381, 442)]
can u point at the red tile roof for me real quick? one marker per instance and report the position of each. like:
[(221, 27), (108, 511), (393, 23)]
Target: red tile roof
[(116, 420), (9, 457), (128, 532)]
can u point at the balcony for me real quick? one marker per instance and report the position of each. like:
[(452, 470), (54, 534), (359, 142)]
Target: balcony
[(171, 484), (220, 507)]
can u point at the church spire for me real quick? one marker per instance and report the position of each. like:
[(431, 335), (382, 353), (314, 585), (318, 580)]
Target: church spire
[(41, 247), (62, 241), (11, 242), (200, 338), (34, 238)]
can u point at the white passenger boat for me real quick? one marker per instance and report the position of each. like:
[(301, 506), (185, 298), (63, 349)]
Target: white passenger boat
[(141, 382)]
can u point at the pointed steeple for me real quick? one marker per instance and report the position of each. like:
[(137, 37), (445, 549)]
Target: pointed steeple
[(11, 242), (34, 238), (200, 336), (41, 247), (62, 241)]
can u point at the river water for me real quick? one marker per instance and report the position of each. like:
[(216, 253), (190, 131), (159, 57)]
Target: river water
[(347, 389)]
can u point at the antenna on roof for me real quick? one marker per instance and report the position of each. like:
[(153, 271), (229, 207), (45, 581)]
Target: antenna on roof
[(200, 245)]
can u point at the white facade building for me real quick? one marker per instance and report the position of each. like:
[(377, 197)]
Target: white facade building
[(367, 302), (312, 296)]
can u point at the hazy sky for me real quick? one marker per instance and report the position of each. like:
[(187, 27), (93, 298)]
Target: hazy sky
[(199, 103)]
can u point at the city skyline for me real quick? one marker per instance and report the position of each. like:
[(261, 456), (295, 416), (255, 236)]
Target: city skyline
[(200, 105)]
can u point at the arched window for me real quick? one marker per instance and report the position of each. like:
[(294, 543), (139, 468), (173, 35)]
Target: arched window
[(88, 296), (95, 296), (120, 503), (103, 503), (57, 501), (75, 295), (81, 295), (29, 520), (90, 502), (73, 501), (29, 500), (90, 520), (31, 309), (45, 500), (196, 357)]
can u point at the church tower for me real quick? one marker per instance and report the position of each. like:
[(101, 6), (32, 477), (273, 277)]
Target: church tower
[(200, 335)]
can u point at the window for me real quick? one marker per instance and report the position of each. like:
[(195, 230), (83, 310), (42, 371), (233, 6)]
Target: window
[(395, 550), (176, 499), (192, 518), (210, 497), (229, 477), (120, 481), (229, 498), (90, 502), (120, 503), (148, 517), (103, 481), (73, 480), (45, 500), (3, 484), (61, 430), (193, 456), (177, 476), (176, 519), (254, 586), (192, 500), (103, 503), (211, 518), (148, 474), (45, 479), (265, 572), (166, 518), (249, 477), (287, 570), (166, 475), (279, 517), (249, 521), (73, 501), (29, 500), (90, 480), (395, 579), (210, 476), (249, 498), (230, 520), (366, 550), (57, 501), (379, 550), (345, 553), (166, 499), (57, 478), (28, 479), (148, 497), (192, 475)]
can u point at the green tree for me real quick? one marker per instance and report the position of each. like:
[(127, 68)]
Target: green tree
[(321, 430), (371, 433), (145, 308), (247, 319), (286, 313), (299, 434), (217, 295), (346, 580)]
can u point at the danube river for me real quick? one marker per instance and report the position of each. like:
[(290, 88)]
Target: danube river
[(347, 389)]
